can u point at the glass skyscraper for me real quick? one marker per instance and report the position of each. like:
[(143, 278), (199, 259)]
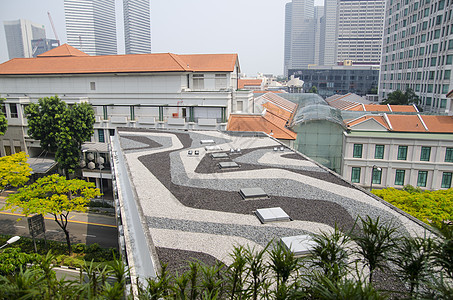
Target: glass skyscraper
[(137, 29), (91, 26)]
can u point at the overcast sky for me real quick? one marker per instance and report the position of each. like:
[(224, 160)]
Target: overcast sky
[(252, 28)]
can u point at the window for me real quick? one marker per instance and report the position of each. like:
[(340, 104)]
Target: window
[(443, 103), (425, 153), (450, 44), (449, 58), (92, 85), (198, 81), (357, 151), (111, 132), (402, 152), (220, 81), (17, 149), (446, 180), (445, 88), (101, 136), (379, 152), (449, 155), (447, 74), (436, 33), (377, 175), (13, 110), (422, 177), (355, 175), (399, 177)]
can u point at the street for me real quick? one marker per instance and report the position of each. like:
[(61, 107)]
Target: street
[(85, 228)]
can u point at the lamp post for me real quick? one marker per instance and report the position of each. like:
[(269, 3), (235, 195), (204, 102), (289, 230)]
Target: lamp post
[(10, 241), (372, 175)]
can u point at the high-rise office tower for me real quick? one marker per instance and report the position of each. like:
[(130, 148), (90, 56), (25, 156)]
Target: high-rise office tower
[(418, 51), (360, 27), (328, 46), (319, 14), (302, 34), (287, 47), (91, 26), (19, 35), (137, 30)]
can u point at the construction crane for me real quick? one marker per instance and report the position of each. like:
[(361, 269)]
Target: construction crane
[(53, 28)]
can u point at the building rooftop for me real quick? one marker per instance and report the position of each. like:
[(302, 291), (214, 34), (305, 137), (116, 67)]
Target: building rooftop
[(194, 209), (404, 123), (242, 83), (68, 60), (354, 102)]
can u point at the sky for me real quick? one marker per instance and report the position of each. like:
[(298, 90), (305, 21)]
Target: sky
[(254, 29)]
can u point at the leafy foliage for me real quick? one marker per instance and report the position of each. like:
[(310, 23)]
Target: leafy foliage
[(54, 195), (3, 120), (12, 259), (14, 170), (61, 128), (431, 207), (313, 90), (402, 98)]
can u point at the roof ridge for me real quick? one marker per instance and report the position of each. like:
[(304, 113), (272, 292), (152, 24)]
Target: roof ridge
[(179, 61)]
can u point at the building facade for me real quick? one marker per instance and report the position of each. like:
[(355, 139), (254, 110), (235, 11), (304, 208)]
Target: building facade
[(328, 42), (330, 80), (300, 28), (397, 150), (418, 52), (360, 25), (137, 27), (19, 35), (91, 26)]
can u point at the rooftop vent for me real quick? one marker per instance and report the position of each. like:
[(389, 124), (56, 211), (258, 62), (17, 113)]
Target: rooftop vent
[(212, 148), (253, 194), (219, 155), (197, 152), (206, 142), (190, 152), (273, 214), (299, 245), (228, 165)]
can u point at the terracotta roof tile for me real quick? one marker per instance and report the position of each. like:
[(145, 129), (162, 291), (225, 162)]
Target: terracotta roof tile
[(67, 61), (378, 118), (249, 82), (258, 124), (63, 50), (440, 124), (277, 110)]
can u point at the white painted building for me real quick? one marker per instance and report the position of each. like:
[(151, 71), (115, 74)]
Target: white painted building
[(154, 91), (397, 150)]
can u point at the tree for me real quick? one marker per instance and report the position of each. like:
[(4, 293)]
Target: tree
[(14, 170), (54, 195), (3, 120), (399, 98), (61, 129), (313, 90)]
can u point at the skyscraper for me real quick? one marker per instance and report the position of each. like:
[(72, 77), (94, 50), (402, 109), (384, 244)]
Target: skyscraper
[(418, 51), (319, 17), (19, 35), (287, 49), (137, 30), (360, 28), (328, 45), (91, 26), (302, 34)]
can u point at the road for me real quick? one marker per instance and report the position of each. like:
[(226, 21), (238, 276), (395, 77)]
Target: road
[(85, 228)]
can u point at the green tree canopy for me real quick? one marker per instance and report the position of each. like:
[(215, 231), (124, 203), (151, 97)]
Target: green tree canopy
[(61, 128), (313, 90), (401, 98), (14, 170), (3, 120), (54, 195)]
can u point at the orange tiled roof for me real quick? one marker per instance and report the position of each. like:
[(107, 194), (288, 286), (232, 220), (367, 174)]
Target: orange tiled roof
[(249, 82), (67, 61), (378, 118), (277, 110), (255, 123), (63, 50), (411, 123), (279, 101), (264, 92)]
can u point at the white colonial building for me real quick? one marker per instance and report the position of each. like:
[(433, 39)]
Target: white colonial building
[(396, 150), (157, 91)]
